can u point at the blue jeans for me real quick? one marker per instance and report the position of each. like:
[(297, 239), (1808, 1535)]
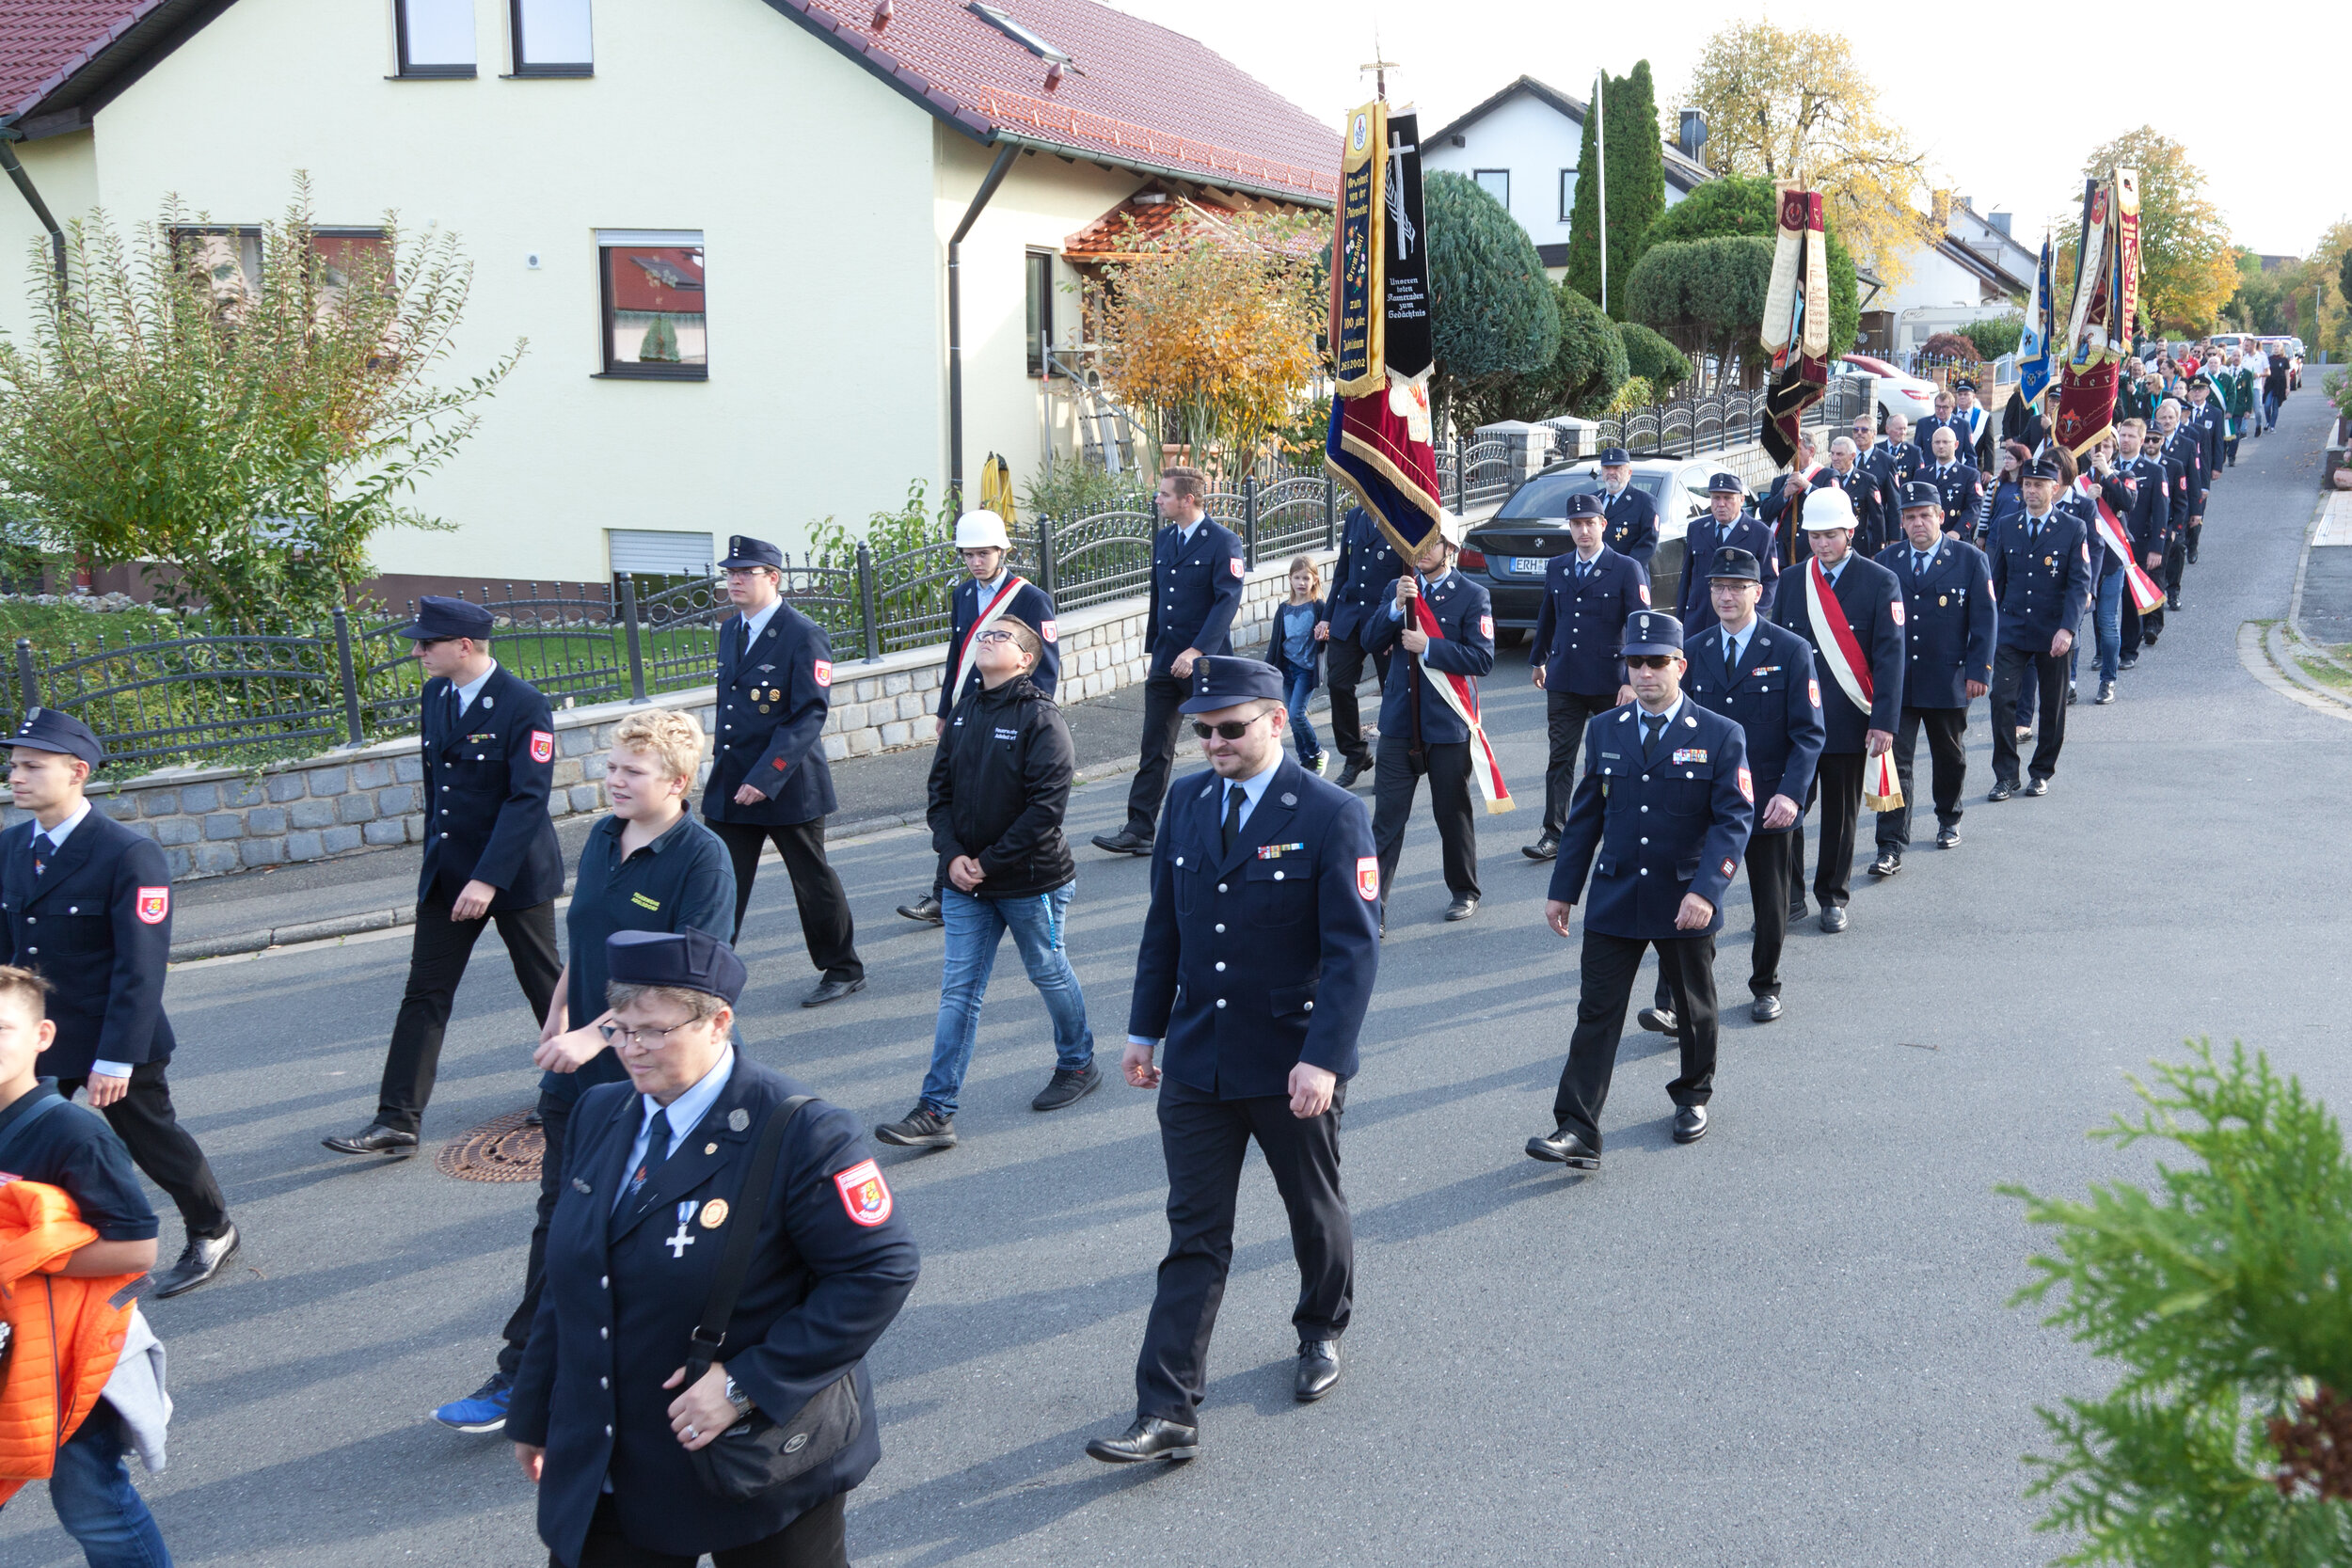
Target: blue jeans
[(2106, 620), (1301, 687), (91, 1490), (975, 928), (2270, 412)]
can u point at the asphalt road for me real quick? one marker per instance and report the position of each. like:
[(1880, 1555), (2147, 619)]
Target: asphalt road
[(1785, 1344)]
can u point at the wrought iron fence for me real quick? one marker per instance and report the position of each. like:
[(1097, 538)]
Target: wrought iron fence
[(1687, 427)]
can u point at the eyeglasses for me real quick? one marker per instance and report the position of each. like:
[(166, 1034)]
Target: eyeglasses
[(1649, 661), (1232, 729), (994, 633), (644, 1039)]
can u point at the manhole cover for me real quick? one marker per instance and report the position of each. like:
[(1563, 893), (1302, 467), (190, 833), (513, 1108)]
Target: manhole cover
[(504, 1150)]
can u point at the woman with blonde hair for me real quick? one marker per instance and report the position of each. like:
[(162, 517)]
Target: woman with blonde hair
[(1302, 626)]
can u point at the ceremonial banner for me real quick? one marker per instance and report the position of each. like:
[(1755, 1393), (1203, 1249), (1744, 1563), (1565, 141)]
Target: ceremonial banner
[(1882, 786), (2106, 281), (1796, 321), (2146, 594), (1379, 440), (1460, 693), (2033, 347)]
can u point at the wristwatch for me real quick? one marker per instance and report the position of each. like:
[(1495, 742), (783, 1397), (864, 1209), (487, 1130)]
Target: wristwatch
[(736, 1397)]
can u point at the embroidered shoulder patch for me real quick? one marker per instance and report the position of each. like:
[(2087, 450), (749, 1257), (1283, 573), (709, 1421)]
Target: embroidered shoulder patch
[(1486, 627), (1747, 793), (864, 1195), (1368, 877), (824, 671), (1813, 690), (154, 904), (1234, 562), (1047, 630), (542, 746), (1895, 607), (1644, 589)]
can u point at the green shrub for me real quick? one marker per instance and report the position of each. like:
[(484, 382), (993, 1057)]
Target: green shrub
[(1491, 309), (1652, 359), (1996, 336), (1743, 205), (1585, 370)]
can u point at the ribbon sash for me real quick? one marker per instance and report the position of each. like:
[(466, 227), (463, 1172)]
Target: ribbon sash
[(1840, 651), (1460, 693), (1014, 582), (2146, 596)]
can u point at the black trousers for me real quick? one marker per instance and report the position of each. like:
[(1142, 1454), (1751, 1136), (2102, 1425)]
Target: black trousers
[(555, 1119), (1395, 780), (1605, 986), (2048, 672), (1161, 693), (815, 1540), (1565, 714), (825, 923), (2196, 528), (1344, 671), (1204, 1140), (438, 956), (1947, 750), (1838, 784), (1769, 862), (149, 1128)]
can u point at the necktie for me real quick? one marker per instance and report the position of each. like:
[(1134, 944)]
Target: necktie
[(1918, 563), (1732, 652), (1234, 796), (1653, 725), (657, 1150), (43, 846), (743, 642)]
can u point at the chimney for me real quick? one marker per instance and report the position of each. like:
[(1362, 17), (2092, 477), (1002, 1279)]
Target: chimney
[(1940, 210), (1999, 221), (1692, 133)]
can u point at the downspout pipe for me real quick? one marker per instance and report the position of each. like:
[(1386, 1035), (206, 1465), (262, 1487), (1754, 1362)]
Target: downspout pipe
[(995, 178), (10, 136)]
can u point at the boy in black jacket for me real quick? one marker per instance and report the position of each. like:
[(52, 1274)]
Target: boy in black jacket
[(999, 789)]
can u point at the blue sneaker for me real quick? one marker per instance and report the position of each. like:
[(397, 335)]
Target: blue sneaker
[(484, 1410)]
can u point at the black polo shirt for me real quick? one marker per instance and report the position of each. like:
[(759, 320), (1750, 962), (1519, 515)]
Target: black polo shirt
[(682, 878), (73, 1149)]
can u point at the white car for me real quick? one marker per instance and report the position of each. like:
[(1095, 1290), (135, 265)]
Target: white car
[(1912, 396)]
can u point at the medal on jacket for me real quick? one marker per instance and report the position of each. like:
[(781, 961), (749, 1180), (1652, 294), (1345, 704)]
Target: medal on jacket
[(684, 1239)]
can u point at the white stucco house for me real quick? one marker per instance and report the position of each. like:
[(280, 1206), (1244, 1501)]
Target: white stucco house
[(1965, 266), (1522, 144), (775, 258)]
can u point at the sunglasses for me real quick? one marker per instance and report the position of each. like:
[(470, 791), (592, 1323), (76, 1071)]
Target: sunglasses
[(1232, 729), (1650, 661)]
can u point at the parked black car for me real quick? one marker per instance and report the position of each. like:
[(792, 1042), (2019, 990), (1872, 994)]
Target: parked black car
[(1509, 552)]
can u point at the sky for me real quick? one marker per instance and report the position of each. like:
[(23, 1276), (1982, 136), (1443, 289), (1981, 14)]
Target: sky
[(2271, 154)]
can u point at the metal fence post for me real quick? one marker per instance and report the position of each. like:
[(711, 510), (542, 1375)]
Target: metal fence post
[(635, 645), (1461, 489), (1249, 521), (1045, 552), (27, 690), (345, 671), (1331, 513), (866, 601)]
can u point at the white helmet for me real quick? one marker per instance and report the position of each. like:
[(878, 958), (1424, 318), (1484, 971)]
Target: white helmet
[(981, 531), (1827, 507), (1453, 527)]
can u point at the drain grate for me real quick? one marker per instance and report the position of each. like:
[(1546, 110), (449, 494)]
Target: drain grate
[(502, 1149)]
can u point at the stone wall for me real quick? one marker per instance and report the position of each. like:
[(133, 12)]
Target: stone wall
[(216, 820)]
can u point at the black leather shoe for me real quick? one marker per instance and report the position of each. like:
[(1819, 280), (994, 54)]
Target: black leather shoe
[(2149, 636), (1658, 1020), (2174, 603), (1318, 1369), (1948, 838), (1149, 1438), (1349, 774), (1799, 909), (1461, 908), (199, 1261), (1564, 1148), (2001, 790), (1067, 1087), (2035, 788), (2127, 661), (1690, 1124), (1124, 842), (1764, 1009), (2106, 689), (1886, 864), (375, 1139), (1833, 919), (1546, 847), (2071, 696), (925, 910), (830, 990)]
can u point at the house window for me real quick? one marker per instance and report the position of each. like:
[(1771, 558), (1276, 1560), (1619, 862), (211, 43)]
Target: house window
[(660, 553), (1568, 194), (1040, 270), (654, 321), (1495, 183), (435, 37), (553, 37), (229, 257)]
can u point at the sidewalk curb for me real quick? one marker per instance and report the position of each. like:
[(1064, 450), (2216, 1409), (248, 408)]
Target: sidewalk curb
[(313, 933)]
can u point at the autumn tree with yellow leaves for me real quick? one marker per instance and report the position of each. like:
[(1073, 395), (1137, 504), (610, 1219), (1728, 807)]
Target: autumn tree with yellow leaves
[(1213, 328), (2188, 265), (1791, 104)]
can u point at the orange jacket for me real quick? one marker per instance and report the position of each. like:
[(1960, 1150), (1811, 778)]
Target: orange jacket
[(63, 1334)]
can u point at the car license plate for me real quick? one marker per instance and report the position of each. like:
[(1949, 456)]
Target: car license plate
[(1528, 566)]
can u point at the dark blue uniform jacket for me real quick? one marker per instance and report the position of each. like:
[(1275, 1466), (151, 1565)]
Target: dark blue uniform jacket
[(1582, 623), (1633, 524), (771, 715), (1894, 464), (2041, 582), (2140, 496), (97, 925), (1652, 827), (486, 776), (1467, 648), (1866, 593), (1029, 604), (1750, 534), (1961, 487), (1769, 696), (1196, 589), (1948, 622), (1259, 959), (1364, 576), (624, 1290)]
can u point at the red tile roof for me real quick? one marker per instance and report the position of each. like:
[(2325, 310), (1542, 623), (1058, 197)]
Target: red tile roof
[(1135, 93), (44, 42)]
